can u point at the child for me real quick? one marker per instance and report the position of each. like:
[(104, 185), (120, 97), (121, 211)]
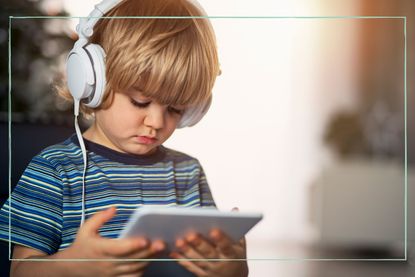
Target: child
[(157, 71)]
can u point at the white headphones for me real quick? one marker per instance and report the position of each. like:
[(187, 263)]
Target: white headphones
[(85, 67)]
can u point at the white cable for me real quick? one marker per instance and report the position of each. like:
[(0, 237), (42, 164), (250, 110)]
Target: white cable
[(84, 156)]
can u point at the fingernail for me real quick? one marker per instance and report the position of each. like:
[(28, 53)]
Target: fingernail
[(142, 242), (215, 233), (158, 245), (180, 244), (193, 238)]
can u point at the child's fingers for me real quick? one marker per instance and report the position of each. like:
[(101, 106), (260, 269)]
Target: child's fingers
[(157, 246), (143, 251), (204, 247), (190, 253), (92, 225), (189, 265), (122, 247), (130, 268), (223, 243), (188, 250)]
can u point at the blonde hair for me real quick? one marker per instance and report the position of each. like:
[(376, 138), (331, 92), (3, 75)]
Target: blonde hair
[(171, 60)]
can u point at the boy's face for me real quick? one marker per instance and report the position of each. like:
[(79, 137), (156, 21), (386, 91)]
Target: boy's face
[(134, 124)]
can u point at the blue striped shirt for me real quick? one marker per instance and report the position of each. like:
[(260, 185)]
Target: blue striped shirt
[(46, 205)]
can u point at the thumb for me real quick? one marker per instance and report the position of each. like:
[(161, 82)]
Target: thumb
[(92, 225), (235, 209)]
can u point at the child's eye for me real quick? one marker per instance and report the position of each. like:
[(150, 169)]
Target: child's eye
[(139, 104), (175, 110)]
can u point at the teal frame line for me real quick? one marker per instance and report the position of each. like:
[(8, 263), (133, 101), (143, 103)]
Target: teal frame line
[(405, 258)]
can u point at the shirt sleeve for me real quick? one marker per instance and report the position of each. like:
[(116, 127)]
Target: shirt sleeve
[(32, 215), (204, 190)]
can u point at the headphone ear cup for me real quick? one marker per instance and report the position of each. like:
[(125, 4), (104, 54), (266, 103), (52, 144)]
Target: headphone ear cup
[(193, 115), (85, 69), (80, 74)]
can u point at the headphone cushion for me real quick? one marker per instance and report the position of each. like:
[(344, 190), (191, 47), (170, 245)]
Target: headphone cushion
[(80, 74), (97, 58)]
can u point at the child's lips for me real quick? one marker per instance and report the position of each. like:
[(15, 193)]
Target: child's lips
[(146, 140)]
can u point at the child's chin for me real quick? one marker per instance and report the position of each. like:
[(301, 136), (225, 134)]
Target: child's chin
[(143, 150)]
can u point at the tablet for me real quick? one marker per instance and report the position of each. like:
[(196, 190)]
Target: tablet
[(171, 223)]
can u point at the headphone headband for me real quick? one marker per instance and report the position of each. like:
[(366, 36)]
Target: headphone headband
[(85, 28)]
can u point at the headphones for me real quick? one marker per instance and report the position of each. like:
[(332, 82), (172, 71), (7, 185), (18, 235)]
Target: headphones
[(85, 67)]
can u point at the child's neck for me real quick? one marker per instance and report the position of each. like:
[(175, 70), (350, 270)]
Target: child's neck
[(95, 135)]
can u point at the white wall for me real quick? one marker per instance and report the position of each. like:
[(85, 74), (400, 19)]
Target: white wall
[(261, 141)]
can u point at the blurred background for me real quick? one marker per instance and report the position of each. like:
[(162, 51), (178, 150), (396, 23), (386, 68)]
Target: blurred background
[(307, 124)]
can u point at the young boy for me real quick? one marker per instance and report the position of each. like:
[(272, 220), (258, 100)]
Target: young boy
[(156, 71)]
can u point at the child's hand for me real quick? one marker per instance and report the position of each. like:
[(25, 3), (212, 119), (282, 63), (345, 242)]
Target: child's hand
[(219, 246), (90, 245)]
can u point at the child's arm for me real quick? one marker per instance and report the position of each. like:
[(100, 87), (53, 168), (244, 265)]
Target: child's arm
[(26, 268), (88, 245)]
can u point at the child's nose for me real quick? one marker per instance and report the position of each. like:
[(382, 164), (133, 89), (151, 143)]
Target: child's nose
[(155, 117)]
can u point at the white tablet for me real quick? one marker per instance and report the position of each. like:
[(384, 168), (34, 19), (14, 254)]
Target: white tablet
[(171, 223)]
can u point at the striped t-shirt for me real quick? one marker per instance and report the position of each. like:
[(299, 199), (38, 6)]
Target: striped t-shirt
[(46, 205)]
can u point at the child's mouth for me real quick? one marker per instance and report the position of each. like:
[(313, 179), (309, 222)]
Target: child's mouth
[(146, 140)]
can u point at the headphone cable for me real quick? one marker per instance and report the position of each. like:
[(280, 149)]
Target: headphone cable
[(84, 156)]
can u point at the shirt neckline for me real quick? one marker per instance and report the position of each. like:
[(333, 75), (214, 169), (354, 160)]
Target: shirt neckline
[(125, 158)]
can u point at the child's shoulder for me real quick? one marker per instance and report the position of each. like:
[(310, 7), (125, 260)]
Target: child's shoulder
[(60, 151), (179, 157)]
